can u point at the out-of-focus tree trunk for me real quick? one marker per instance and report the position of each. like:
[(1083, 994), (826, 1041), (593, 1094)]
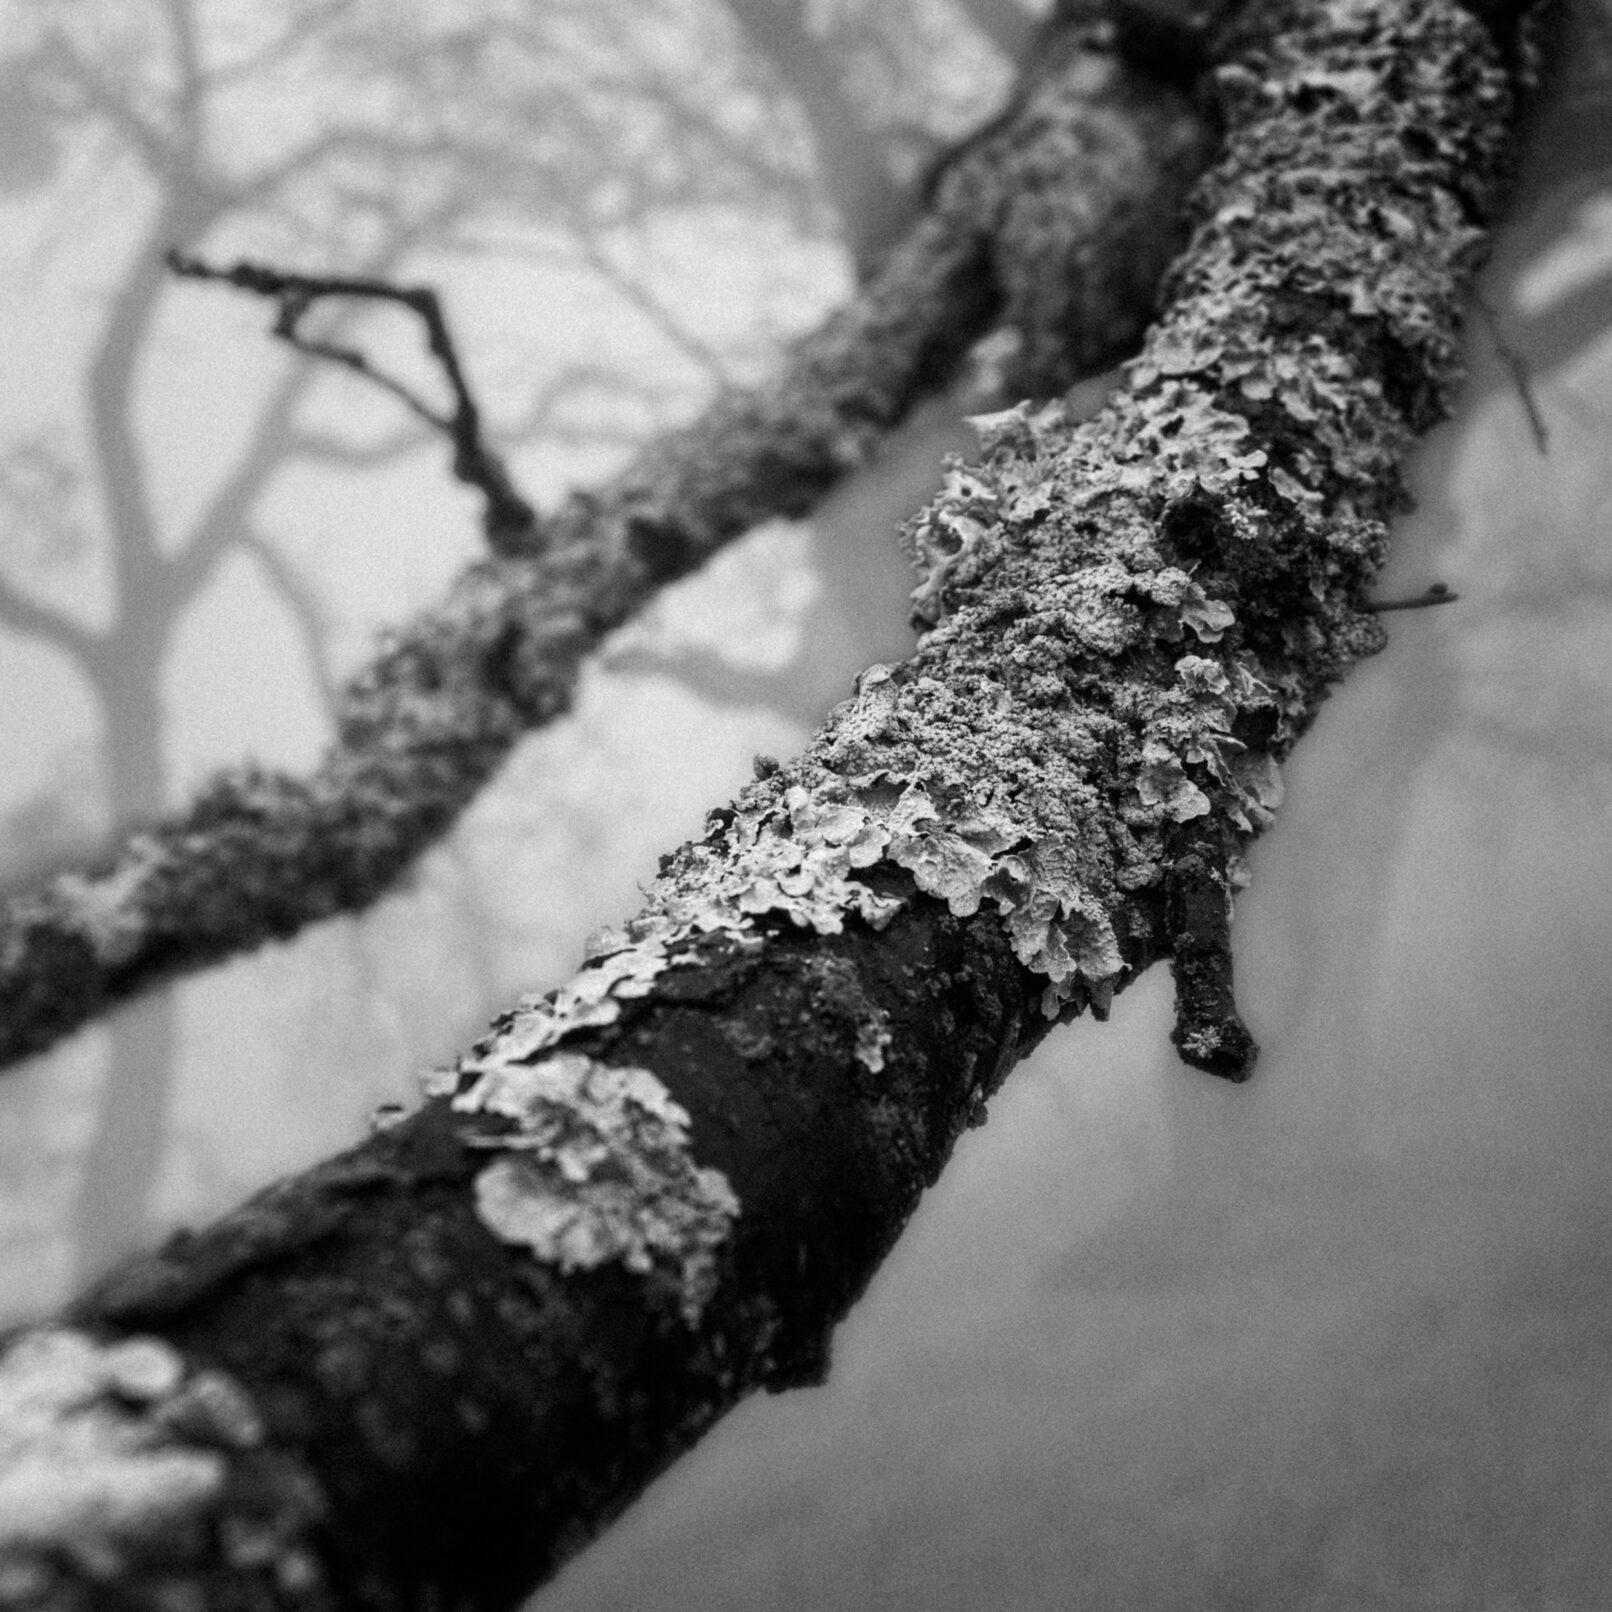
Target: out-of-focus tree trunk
[(126, 1143), (125, 671)]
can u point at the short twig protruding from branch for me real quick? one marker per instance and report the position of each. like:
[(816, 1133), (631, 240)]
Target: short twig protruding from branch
[(1209, 1032), (509, 520), (1436, 593)]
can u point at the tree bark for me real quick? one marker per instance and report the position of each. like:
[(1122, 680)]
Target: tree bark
[(424, 1372)]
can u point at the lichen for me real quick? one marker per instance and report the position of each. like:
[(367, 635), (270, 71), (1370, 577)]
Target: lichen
[(873, 1040), (115, 1465), (595, 1167), (106, 910)]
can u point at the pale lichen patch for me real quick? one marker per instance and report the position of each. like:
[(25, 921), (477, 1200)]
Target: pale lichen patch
[(596, 1168), (106, 910), (873, 1040), (114, 1465), (591, 998)]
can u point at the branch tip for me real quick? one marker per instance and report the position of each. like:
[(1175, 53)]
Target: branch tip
[(1209, 1032), (509, 521), (1436, 593)]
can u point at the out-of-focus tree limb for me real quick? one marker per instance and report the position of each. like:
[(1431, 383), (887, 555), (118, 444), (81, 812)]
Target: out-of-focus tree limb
[(507, 519), (64, 66), (302, 603), (424, 1372), (636, 295), (19, 613), (261, 854), (873, 208), (306, 24), (189, 94)]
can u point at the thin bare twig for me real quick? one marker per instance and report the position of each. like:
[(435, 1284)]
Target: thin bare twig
[(1518, 368), (509, 520), (1437, 593)]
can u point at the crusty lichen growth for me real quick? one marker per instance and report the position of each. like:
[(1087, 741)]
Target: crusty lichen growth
[(124, 1468), (1130, 621)]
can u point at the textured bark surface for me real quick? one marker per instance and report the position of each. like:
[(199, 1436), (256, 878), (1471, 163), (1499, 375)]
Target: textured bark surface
[(1050, 224), (424, 1372)]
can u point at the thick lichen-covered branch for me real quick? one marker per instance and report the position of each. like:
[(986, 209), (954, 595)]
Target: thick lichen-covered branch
[(1051, 224), (465, 1344), (1131, 622)]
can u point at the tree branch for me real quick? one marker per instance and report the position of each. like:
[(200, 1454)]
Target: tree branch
[(1005, 23), (259, 855), (153, 144), (1436, 593), (509, 522), (711, 676), (636, 295), (1518, 369), (328, 448), (313, 20), (259, 187), (19, 613), (872, 208), (190, 88), (425, 1371)]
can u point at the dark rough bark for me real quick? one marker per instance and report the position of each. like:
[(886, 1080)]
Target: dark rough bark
[(422, 1373), (1051, 223)]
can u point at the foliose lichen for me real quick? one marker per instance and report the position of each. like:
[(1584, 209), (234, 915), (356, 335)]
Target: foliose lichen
[(425, 725), (107, 911), (115, 1466), (595, 1167)]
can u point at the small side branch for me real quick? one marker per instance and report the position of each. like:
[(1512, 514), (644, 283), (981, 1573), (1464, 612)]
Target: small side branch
[(508, 520), (1437, 593), (1521, 376), (1209, 1032)]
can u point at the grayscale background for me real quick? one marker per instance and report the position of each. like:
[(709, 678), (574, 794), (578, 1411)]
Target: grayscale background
[(1336, 1340)]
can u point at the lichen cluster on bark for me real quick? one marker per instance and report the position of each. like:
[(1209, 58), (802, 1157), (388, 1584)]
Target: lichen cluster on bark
[(1131, 621), (1080, 175), (641, 1196)]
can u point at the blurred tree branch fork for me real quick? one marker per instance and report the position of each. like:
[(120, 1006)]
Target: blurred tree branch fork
[(425, 1371), (507, 519)]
